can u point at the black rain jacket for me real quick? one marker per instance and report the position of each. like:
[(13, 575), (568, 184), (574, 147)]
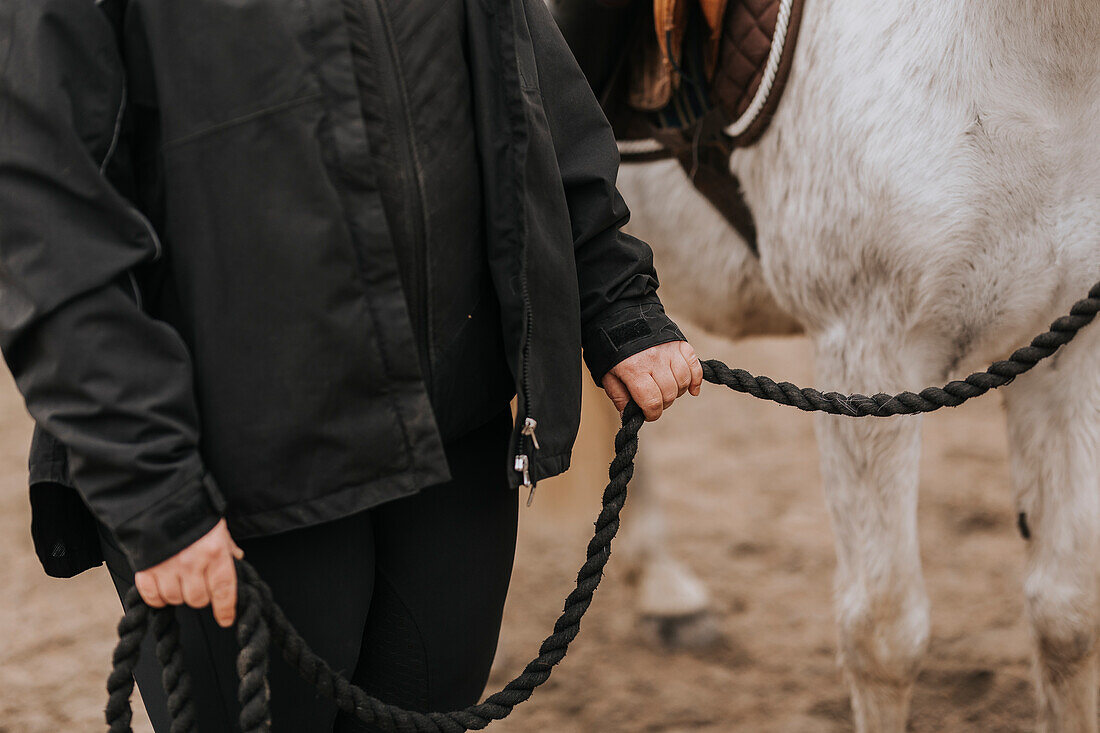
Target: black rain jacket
[(199, 295)]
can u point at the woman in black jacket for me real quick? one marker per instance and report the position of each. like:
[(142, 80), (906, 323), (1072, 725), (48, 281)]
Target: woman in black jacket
[(271, 273)]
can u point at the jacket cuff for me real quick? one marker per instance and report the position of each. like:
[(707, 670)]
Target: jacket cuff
[(160, 531), (624, 330)]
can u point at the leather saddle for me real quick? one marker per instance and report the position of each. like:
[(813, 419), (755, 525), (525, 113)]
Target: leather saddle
[(688, 79)]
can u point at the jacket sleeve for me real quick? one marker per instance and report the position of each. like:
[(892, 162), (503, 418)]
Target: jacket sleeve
[(112, 384), (621, 314)]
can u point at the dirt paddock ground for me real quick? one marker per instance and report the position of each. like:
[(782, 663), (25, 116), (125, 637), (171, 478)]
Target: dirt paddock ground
[(745, 511)]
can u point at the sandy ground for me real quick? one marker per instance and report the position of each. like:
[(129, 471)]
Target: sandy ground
[(747, 514)]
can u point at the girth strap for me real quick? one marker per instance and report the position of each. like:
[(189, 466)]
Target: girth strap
[(703, 151)]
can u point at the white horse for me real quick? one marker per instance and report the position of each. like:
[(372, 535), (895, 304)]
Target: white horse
[(927, 199)]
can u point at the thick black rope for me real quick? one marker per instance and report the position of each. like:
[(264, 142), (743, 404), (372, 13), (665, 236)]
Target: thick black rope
[(261, 621), (951, 394)]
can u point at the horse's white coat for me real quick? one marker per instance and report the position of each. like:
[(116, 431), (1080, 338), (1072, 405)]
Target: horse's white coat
[(927, 198)]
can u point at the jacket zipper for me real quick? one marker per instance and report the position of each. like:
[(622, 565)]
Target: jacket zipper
[(526, 436), (522, 463), (419, 291)]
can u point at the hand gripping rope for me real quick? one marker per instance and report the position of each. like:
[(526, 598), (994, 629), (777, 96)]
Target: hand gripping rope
[(261, 622)]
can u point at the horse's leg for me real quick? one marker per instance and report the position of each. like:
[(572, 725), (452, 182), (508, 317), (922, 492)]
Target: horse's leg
[(869, 469), (673, 604), (1054, 435)]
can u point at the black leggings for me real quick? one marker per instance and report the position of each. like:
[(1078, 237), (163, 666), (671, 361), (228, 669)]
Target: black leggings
[(405, 598)]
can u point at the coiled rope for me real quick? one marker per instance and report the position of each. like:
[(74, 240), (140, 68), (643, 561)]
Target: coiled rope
[(261, 622)]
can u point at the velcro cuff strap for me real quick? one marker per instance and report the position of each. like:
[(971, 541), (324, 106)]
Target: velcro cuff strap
[(624, 333), (171, 524)]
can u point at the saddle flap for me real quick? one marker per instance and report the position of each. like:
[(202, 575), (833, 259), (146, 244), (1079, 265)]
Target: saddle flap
[(655, 61), (714, 13)]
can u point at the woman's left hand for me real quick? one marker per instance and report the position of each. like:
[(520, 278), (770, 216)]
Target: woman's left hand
[(654, 378)]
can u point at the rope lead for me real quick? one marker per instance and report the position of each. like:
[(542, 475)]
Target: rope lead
[(261, 621)]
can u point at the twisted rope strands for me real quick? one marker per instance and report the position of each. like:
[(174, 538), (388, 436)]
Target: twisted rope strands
[(174, 675), (254, 639), (120, 683), (261, 621)]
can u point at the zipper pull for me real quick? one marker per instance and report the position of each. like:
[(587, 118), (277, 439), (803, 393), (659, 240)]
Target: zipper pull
[(523, 466), (529, 425)]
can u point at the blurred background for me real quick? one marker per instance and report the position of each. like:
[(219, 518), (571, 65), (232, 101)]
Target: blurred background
[(745, 512)]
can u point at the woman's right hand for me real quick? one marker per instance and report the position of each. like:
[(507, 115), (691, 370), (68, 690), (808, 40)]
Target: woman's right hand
[(200, 575)]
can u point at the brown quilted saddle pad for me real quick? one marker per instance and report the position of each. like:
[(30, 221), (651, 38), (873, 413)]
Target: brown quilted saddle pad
[(746, 46)]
